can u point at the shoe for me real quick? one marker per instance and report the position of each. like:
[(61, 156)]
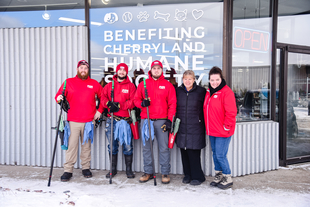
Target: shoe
[(217, 179), (226, 182), (186, 179), (66, 177), (165, 179), (87, 173), (128, 162), (114, 166), (195, 182), (145, 177)]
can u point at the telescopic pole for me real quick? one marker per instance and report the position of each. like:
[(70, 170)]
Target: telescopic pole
[(57, 129), (112, 132), (150, 134)]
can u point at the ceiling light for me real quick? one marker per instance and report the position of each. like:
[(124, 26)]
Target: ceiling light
[(105, 1), (46, 15)]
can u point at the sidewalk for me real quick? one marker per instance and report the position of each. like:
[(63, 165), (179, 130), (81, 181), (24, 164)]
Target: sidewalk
[(286, 186)]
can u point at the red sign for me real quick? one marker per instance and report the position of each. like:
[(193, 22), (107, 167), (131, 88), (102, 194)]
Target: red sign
[(251, 40)]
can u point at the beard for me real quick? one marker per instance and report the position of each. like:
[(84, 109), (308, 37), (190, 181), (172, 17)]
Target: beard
[(121, 77), (156, 76), (83, 77)]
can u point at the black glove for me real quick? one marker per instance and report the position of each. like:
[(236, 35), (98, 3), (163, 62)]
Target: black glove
[(65, 105), (145, 103), (113, 106), (166, 126)]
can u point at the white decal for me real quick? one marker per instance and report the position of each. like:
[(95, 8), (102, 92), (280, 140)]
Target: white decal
[(125, 91), (143, 16), (110, 18), (161, 16), (215, 96), (180, 15), (90, 86), (197, 14), (127, 17), (161, 87)]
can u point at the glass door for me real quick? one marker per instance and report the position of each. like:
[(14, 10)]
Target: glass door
[(298, 105)]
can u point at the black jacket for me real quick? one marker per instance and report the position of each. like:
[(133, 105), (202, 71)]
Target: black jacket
[(191, 134)]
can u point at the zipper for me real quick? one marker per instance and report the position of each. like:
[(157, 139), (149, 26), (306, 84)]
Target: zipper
[(186, 120)]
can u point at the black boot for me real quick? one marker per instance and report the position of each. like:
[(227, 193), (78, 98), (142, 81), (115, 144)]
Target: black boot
[(114, 166), (128, 162), (66, 177)]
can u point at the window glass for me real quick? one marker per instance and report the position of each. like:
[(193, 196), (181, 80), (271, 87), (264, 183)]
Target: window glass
[(47, 13), (293, 22), (251, 60), (182, 36)]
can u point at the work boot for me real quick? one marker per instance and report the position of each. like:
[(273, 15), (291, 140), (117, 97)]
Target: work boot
[(165, 179), (145, 177), (128, 162), (66, 177), (87, 173), (217, 179), (114, 165), (226, 182)]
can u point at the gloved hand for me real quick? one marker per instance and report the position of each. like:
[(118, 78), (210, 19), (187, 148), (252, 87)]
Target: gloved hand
[(146, 103), (113, 106), (166, 126)]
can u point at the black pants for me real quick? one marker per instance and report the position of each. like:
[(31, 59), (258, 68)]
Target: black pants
[(191, 164)]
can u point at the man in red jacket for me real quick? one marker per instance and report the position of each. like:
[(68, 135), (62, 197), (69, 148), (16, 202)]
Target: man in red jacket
[(124, 92), (162, 106), (81, 94)]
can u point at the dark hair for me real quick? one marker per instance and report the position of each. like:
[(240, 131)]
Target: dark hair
[(216, 70)]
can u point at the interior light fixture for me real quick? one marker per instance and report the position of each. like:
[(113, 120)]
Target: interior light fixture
[(105, 1), (46, 15)]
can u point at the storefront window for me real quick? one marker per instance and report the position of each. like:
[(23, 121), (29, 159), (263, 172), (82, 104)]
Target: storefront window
[(251, 59), (182, 36), (293, 22), (35, 13)]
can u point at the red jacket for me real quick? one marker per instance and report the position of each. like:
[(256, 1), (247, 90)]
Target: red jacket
[(162, 95), (81, 95), (124, 93), (220, 113)]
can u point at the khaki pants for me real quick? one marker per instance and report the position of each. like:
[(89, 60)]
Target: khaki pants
[(77, 130)]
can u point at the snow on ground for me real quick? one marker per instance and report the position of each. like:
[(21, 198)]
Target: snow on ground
[(20, 193)]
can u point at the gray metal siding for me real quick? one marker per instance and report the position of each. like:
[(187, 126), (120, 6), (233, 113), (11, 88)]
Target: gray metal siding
[(33, 64)]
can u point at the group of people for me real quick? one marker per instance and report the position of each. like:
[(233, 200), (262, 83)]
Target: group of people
[(212, 112)]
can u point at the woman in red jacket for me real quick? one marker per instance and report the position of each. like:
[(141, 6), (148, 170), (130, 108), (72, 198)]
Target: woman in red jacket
[(220, 113)]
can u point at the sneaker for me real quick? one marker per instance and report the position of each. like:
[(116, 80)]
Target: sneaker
[(87, 173), (186, 179), (145, 177), (66, 177), (226, 182), (195, 182), (217, 179), (165, 179)]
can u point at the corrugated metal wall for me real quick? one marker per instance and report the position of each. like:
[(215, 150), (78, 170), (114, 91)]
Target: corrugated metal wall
[(33, 64)]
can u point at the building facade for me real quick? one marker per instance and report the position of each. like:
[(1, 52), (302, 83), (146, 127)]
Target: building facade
[(262, 47)]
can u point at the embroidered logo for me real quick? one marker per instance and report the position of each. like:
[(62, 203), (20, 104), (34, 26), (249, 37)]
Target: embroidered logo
[(122, 67), (90, 86), (125, 91), (215, 96), (161, 87)]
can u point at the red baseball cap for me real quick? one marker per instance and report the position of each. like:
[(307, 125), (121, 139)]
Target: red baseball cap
[(122, 66), (156, 62), (83, 62)]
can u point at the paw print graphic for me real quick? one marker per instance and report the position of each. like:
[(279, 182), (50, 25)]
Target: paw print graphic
[(143, 16)]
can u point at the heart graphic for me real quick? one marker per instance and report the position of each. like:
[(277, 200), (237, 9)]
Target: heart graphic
[(197, 14)]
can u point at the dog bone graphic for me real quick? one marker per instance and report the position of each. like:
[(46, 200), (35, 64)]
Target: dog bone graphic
[(161, 16)]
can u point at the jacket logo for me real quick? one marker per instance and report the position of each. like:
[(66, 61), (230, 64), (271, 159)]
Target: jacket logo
[(90, 86), (215, 96), (125, 91), (161, 87)]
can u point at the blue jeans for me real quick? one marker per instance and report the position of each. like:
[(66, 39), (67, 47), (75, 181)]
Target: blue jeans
[(220, 147), (127, 149)]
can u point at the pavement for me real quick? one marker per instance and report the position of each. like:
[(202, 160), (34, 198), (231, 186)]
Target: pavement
[(294, 178)]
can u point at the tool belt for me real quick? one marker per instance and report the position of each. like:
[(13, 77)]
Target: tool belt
[(159, 119), (118, 118)]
